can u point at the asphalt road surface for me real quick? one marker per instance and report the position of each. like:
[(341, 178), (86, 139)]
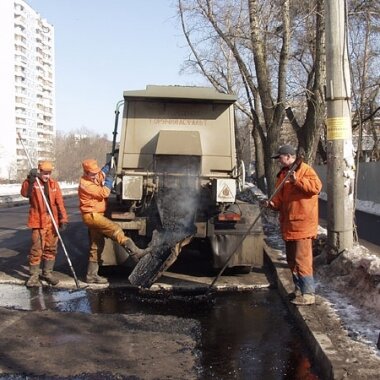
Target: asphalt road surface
[(112, 334), (15, 239)]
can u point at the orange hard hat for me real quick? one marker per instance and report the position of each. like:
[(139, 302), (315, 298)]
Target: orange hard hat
[(90, 166), (45, 166)]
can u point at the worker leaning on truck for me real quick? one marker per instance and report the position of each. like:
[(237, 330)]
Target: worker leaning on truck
[(94, 189), (44, 233)]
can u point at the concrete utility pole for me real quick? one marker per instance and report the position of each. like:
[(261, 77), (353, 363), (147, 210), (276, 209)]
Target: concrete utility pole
[(340, 161)]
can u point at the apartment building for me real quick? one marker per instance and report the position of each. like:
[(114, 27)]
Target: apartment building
[(27, 96)]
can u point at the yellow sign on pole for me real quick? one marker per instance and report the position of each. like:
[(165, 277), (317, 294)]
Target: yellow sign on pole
[(338, 128)]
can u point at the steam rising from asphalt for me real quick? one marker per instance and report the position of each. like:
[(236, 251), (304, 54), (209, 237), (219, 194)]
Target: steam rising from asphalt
[(177, 200)]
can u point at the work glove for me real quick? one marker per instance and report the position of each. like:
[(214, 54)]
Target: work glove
[(108, 182), (31, 179), (134, 251), (106, 168), (62, 226), (265, 203), (33, 173)]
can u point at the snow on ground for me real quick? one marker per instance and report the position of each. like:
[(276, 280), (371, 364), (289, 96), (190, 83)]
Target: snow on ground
[(365, 206), (14, 189), (350, 283)]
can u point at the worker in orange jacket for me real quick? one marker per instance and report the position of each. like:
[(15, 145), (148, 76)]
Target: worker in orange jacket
[(94, 189), (44, 233), (297, 202)]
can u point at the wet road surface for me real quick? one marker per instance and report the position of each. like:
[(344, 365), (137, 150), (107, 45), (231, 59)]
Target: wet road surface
[(120, 333), (246, 335)]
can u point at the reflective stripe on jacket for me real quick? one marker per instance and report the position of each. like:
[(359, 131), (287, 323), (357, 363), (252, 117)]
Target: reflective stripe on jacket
[(92, 194), (298, 203), (38, 213)]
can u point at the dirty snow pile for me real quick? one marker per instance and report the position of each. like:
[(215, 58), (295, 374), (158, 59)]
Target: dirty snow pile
[(350, 283)]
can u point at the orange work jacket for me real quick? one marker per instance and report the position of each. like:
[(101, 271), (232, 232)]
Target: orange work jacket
[(38, 214), (92, 194), (298, 203)]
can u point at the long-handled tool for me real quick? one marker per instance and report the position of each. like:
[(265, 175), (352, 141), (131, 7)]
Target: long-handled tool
[(50, 214), (117, 113), (295, 165)]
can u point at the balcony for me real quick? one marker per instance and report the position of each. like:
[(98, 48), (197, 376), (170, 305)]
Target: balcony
[(19, 79), (39, 64), (19, 72), (20, 111), (19, 32), (20, 20), (21, 50), (48, 111), (19, 43), (20, 60), (39, 53), (20, 91), (20, 101), (21, 121)]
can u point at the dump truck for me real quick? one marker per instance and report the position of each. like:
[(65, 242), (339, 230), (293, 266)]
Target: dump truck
[(177, 180)]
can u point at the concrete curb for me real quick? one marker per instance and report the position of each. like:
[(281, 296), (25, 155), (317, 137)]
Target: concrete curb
[(336, 355)]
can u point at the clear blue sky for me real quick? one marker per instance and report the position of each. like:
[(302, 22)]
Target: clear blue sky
[(103, 47)]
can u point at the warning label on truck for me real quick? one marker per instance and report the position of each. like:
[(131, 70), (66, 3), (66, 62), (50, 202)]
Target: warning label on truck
[(338, 128)]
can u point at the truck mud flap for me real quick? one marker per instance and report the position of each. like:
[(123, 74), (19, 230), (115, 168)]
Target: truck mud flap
[(153, 265)]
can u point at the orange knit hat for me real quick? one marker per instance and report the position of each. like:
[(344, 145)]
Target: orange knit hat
[(45, 166), (90, 166)]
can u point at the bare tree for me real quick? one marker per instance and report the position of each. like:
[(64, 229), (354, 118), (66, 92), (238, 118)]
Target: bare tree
[(219, 29), (72, 148), (364, 25), (259, 39), (306, 110)]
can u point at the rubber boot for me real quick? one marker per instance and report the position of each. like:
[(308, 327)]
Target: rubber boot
[(34, 280), (304, 299), (47, 272), (296, 293), (135, 253), (92, 274)]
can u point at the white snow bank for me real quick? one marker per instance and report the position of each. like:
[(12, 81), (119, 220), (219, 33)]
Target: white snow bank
[(365, 206), (14, 189)]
